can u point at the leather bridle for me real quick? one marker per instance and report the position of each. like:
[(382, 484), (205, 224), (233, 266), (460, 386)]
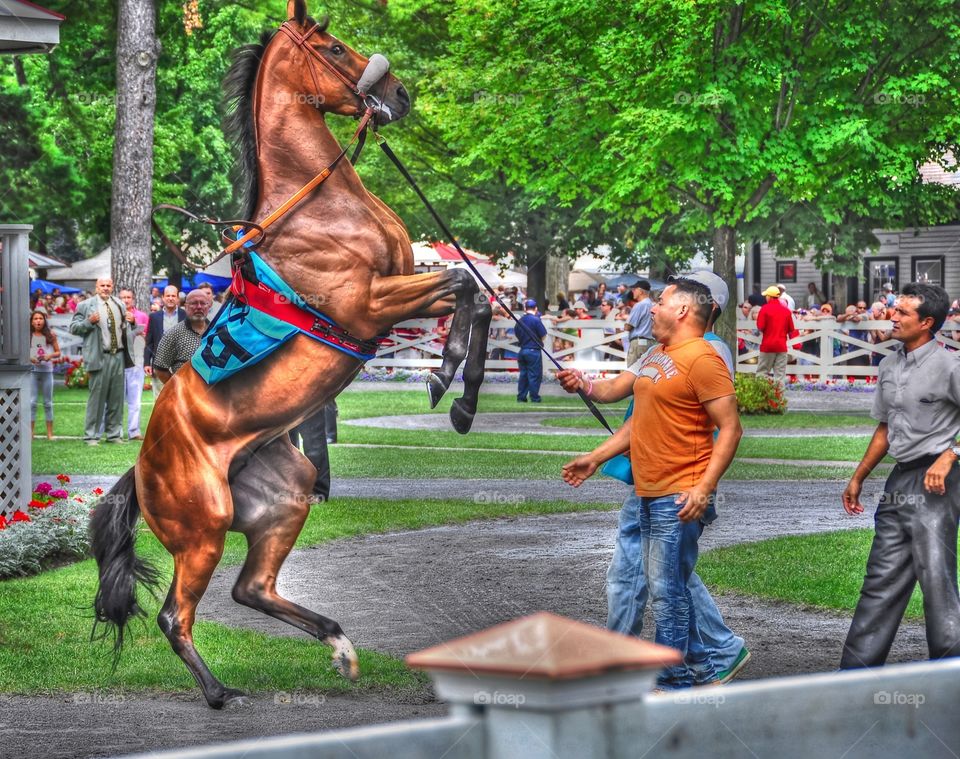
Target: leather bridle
[(314, 57), (256, 231)]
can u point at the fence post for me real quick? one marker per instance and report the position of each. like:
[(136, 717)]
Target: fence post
[(545, 686), (15, 462)]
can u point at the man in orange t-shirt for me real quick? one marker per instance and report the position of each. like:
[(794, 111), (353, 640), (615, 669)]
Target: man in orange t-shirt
[(683, 392)]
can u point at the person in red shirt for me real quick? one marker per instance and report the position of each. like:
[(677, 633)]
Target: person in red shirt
[(775, 323)]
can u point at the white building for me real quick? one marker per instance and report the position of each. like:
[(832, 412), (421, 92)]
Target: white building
[(924, 254)]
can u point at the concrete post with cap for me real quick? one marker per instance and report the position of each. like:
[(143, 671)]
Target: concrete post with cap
[(546, 686)]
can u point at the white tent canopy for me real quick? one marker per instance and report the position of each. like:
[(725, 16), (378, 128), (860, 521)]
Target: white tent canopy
[(495, 277)]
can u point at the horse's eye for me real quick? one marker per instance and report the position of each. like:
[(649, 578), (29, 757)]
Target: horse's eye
[(337, 50)]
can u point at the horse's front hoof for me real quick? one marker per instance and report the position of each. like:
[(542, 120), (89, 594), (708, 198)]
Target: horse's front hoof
[(435, 389), (345, 658), (460, 417)]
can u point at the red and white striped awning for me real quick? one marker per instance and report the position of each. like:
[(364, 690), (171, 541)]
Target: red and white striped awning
[(425, 253)]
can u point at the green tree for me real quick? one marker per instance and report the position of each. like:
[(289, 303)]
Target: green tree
[(709, 118)]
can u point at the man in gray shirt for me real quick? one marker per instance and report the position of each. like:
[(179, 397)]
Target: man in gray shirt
[(917, 405), (639, 321)]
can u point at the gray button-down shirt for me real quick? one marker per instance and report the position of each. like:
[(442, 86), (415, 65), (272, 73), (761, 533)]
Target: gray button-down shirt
[(640, 320), (918, 396)]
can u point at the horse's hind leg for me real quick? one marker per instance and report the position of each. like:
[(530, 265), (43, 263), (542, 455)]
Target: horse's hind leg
[(271, 503), (195, 537)]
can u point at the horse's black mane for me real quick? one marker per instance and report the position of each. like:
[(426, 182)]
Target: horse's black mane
[(238, 121)]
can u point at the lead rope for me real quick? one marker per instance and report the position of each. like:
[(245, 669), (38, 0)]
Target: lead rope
[(406, 175)]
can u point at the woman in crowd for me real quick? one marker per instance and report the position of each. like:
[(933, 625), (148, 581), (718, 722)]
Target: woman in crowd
[(44, 351), (814, 296)]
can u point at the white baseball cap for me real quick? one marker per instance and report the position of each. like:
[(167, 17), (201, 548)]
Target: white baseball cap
[(713, 282)]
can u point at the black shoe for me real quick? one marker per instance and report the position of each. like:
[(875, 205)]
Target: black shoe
[(521, 400), (536, 400)]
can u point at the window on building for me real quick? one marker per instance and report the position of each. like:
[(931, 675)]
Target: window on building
[(786, 271), (880, 272), (928, 269)]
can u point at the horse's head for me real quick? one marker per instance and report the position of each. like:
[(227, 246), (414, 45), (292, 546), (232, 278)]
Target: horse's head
[(324, 72)]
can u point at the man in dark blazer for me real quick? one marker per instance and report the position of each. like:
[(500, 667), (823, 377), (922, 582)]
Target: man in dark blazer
[(160, 322)]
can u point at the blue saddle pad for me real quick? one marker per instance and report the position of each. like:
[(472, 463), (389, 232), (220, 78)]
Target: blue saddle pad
[(240, 336)]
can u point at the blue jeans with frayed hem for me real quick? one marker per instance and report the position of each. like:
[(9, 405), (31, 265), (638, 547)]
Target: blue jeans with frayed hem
[(627, 595), (667, 551)]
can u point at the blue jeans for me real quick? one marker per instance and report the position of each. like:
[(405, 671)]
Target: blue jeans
[(42, 388), (627, 593), (531, 373)]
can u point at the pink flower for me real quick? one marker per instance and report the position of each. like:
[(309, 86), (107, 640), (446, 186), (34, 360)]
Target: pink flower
[(44, 488), (59, 494)]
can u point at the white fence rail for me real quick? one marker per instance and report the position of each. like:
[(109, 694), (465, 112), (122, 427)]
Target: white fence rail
[(906, 710), (828, 349), (823, 349)]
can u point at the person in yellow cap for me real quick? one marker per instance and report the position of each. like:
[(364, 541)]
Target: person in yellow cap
[(775, 323)]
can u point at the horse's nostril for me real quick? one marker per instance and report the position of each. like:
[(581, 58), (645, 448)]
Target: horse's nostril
[(402, 94)]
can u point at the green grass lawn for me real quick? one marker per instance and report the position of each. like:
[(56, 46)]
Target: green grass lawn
[(823, 570), (792, 419), (73, 457), (69, 405), (407, 462), (45, 620)]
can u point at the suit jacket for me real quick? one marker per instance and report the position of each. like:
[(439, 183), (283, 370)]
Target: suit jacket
[(93, 337), (155, 332)]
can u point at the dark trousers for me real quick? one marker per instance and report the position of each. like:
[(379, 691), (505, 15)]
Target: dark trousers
[(531, 373), (915, 540), (315, 432)]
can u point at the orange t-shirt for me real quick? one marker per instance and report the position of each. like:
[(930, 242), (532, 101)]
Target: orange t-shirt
[(671, 434)]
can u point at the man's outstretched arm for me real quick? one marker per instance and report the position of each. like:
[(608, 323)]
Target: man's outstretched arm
[(601, 391), (582, 468)]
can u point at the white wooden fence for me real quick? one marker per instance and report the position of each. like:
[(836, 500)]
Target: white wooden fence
[(604, 711), (824, 348)]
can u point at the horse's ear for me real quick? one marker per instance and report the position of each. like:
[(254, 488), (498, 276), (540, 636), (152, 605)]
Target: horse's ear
[(297, 10)]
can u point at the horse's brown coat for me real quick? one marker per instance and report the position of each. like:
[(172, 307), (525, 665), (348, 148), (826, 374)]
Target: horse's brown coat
[(217, 458)]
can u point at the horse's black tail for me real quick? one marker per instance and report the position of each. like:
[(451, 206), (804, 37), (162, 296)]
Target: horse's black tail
[(113, 531)]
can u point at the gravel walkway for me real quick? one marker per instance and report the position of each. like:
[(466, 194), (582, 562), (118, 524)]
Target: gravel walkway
[(404, 591), (399, 592)]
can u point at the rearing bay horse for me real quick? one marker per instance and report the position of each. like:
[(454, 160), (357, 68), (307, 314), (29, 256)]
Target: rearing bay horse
[(216, 457)]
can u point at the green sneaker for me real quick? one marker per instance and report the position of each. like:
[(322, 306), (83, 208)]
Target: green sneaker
[(724, 676)]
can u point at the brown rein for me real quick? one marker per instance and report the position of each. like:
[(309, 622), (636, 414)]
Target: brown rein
[(258, 230)]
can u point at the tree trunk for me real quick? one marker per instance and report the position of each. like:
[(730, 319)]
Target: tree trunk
[(137, 51), (725, 265), (537, 278), (558, 275)]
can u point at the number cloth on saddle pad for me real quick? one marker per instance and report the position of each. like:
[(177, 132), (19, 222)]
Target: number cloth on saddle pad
[(244, 333)]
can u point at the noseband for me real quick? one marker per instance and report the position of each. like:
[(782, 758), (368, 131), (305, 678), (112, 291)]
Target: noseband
[(374, 72)]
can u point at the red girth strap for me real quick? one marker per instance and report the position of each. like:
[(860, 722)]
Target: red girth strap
[(264, 298)]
